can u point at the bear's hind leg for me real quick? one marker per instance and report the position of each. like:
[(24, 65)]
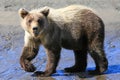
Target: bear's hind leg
[(80, 61), (100, 59)]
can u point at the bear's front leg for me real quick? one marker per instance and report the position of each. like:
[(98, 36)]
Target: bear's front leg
[(53, 57), (29, 53)]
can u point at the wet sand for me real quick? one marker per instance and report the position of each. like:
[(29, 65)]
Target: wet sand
[(11, 41)]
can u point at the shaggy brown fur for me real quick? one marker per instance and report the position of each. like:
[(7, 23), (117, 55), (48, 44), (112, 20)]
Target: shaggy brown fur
[(74, 27)]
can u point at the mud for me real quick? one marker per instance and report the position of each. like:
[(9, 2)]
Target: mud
[(11, 41)]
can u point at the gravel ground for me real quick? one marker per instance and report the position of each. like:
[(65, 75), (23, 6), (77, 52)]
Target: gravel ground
[(11, 41)]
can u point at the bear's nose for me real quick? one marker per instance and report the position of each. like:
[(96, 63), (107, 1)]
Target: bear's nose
[(35, 28)]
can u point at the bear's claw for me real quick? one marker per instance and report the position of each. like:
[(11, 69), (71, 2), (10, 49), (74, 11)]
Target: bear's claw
[(27, 66), (30, 68)]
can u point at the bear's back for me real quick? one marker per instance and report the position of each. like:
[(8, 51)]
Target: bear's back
[(70, 14)]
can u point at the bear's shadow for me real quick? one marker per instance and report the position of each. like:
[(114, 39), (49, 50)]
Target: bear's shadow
[(112, 69)]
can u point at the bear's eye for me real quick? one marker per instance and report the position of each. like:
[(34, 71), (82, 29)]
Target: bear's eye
[(40, 21), (29, 21)]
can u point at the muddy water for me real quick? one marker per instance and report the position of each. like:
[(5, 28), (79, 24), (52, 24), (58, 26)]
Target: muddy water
[(11, 41)]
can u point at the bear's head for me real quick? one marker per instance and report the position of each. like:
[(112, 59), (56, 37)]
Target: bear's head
[(34, 21)]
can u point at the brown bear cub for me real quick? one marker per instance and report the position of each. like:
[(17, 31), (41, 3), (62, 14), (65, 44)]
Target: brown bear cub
[(74, 27)]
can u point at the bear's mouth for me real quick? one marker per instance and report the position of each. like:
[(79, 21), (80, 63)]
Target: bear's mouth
[(35, 33)]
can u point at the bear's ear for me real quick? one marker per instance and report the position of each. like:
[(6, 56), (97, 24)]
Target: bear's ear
[(22, 12), (45, 11)]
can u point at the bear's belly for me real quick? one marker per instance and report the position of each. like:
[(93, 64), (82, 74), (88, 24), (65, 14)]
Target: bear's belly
[(71, 44)]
